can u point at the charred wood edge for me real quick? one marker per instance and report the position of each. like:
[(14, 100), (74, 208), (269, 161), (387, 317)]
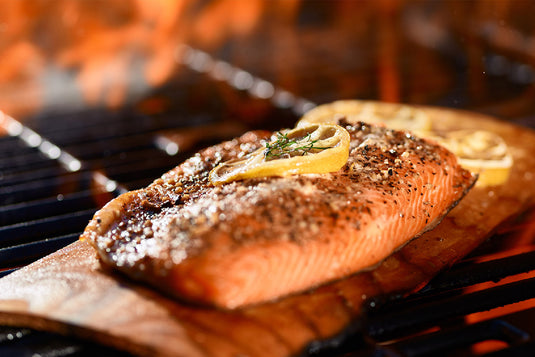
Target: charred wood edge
[(350, 339)]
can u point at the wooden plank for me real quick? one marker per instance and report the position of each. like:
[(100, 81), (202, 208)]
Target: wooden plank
[(71, 293)]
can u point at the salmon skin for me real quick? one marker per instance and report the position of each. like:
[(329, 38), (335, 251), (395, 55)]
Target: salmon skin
[(256, 240)]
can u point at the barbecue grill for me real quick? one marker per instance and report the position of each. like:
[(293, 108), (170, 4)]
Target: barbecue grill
[(58, 166)]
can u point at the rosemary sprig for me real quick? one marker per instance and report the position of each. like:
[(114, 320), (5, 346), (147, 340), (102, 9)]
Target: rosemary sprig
[(285, 147)]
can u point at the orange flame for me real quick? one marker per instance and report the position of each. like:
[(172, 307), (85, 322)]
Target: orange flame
[(109, 51)]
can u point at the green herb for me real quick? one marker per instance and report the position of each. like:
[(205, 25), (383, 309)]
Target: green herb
[(285, 147)]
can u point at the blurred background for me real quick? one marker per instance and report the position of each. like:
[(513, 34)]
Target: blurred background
[(69, 54)]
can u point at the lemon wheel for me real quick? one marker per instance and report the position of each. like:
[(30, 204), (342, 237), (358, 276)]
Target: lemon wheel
[(392, 115), (315, 148), (481, 152)]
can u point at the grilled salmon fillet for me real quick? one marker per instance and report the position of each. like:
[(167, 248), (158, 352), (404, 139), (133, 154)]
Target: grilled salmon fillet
[(255, 240)]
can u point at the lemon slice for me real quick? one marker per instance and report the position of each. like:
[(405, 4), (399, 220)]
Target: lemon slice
[(315, 148), (481, 152), (394, 116)]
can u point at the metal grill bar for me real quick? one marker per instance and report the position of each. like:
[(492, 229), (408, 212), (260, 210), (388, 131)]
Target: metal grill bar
[(27, 342), (449, 340), (34, 231), (23, 254), (426, 312), (52, 170), (463, 275), (17, 161), (37, 186), (51, 206)]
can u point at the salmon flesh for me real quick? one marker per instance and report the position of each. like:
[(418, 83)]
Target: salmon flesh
[(256, 240)]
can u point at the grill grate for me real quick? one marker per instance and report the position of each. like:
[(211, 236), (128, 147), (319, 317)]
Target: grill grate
[(47, 196), (27, 342), (45, 202)]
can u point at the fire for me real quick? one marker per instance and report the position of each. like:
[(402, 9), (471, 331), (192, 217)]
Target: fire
[(104, 43), (106, 52), (103, 52)]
